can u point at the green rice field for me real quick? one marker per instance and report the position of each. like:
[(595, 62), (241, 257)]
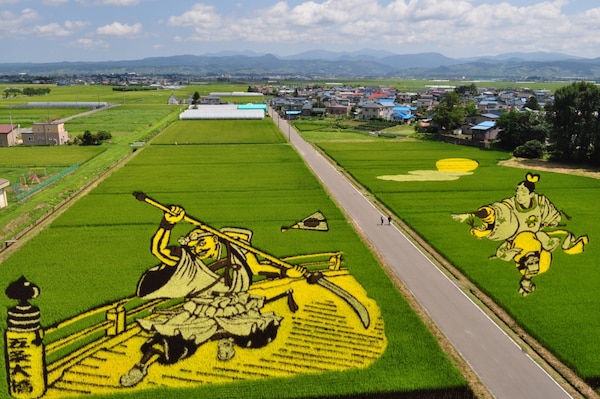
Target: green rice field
[(243, 173), (220, 131), (561, 313), (105, 93), (95, 252)]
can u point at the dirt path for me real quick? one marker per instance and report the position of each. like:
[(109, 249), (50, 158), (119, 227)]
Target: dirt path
[(536, 164)]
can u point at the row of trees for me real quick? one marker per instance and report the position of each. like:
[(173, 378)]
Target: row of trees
[(26, 91)]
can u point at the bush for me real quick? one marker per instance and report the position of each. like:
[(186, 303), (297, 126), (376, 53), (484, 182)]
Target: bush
[(89, 138), (531, 149)]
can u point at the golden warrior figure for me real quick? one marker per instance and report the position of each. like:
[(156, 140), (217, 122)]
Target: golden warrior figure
[(528, 224)]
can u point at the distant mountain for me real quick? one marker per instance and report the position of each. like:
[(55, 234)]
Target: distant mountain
[(421, 60), (320, 64), (364, 54), (535, 56)]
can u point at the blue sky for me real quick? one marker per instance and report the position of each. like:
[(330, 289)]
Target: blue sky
[(100, 30)]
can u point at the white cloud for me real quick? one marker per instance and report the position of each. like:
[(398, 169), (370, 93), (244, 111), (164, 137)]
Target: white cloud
[(56, 30), (200, 16), (54, 2), (12, 23), (75, 25), (458, 26), (89, 44), (123, 3), (53, 29), (119, 29)]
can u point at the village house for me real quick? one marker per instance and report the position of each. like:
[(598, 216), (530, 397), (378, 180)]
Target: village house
[(173, 100), (46, 133), (371, 110), (8, 135), (425, 101), (485, 133), (335, 108), (403, 114)]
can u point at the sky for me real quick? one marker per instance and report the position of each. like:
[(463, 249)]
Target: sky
[(113, 30)]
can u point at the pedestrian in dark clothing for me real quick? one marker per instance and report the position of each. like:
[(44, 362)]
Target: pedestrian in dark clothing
[(389, 220), (382, 220)]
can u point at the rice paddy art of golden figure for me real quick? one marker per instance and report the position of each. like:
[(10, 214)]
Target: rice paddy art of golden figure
[(529, 227)]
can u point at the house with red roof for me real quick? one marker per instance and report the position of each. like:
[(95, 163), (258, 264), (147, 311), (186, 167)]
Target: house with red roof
[(9, 134)]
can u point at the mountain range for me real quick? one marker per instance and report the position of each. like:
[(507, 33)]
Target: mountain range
[(318, 64)]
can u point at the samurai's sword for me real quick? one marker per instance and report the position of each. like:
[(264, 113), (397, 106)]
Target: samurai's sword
[(359, 308)]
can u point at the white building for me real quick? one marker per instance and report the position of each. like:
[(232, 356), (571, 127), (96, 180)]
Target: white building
[(3, 199)]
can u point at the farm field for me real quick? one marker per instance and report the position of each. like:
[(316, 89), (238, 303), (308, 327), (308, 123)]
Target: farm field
[(328, 129), (95, 252), (561, 313), (220, 131), (105, 93), (140, 118), (127, 124)]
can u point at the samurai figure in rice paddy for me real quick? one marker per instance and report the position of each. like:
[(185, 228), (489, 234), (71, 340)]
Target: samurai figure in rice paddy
[(528, 226), (213, 270)]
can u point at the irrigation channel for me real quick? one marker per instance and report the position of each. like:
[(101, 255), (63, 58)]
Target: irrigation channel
[(500, 363)]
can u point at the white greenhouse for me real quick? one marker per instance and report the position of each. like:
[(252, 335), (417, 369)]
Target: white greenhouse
[(225, 111)]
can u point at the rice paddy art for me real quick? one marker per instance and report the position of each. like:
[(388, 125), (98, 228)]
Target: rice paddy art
[(214, 310), (447, 169), (529, 227)]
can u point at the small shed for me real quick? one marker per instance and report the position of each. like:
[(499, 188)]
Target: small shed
[(3, 199)]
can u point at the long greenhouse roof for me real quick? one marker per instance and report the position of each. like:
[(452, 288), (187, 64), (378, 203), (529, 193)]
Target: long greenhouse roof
[(228, 111)]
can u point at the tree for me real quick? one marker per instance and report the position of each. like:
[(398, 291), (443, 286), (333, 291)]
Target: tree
[(449, 114), (467, 89), (12, 92), (517, 128), (88, 138), (531, 149), (575, 124), (195, 97), (532, 103)]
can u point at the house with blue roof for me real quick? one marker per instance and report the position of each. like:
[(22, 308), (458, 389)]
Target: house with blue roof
[(403, 113), (485, 133)]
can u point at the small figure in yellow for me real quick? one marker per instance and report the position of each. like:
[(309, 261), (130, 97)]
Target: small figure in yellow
[(528, 224)]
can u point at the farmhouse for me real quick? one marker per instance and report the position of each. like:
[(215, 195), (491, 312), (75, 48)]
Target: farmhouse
[(44, 133), (8, 135)]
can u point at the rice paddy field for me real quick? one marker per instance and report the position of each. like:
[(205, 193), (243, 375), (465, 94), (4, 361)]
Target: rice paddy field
[(126, 123), (95, 252), (244, 174), (214, 131), (105, 93), (562, 312)]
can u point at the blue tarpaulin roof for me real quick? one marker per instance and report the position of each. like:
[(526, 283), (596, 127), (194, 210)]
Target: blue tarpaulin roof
[(484, 125)]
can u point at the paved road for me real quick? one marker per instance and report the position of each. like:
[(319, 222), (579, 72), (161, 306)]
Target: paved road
[(501, 365)]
